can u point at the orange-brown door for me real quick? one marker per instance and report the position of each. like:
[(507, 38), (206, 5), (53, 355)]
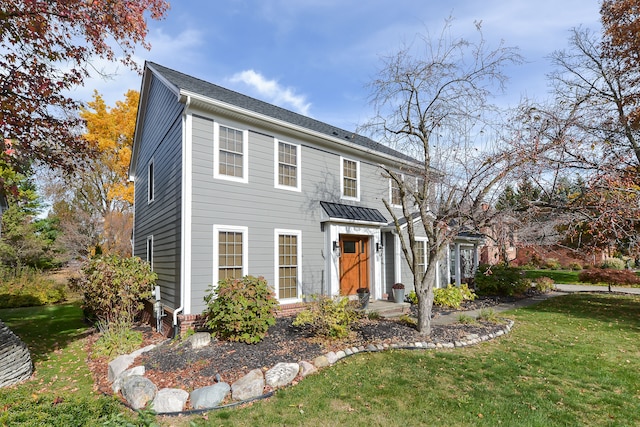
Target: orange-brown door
[(354, 264)]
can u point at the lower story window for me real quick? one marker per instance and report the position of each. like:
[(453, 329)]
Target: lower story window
[(231, 253), (421, 255), (288, 263)]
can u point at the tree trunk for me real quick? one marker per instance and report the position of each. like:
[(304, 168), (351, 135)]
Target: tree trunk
[(424, 291)]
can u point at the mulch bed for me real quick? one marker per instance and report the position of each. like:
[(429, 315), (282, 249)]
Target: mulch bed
[(174, 364)]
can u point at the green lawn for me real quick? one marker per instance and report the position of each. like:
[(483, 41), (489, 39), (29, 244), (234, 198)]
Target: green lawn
[(61, 391), (569, 361), (566, 277)]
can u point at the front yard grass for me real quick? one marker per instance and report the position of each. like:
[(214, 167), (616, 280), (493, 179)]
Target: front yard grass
[(566, 277), (569, 361)]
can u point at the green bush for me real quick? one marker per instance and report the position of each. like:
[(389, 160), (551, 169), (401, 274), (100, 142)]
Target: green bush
[(465, 319), (575, 266), (552, 264), (241, 309), (544, 284), (488, 315), (114, 288), (116, 338), (613, 263), (413, 297), (329, 317), (25, 287), (500, 280), (453, 296)]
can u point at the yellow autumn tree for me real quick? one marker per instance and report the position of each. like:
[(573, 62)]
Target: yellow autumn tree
[(99, 190)]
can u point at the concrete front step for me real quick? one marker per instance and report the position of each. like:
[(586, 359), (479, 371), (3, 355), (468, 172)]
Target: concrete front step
[(388, 309)]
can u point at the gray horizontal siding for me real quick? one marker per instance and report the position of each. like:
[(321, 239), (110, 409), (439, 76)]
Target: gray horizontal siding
[(161, 140)]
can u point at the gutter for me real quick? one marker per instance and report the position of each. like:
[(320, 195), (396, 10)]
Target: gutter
[(183, 275)]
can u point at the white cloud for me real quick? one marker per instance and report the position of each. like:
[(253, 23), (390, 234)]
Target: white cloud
[(272, 91)]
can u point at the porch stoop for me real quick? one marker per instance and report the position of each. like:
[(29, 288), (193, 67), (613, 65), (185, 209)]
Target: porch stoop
[(388, 309)]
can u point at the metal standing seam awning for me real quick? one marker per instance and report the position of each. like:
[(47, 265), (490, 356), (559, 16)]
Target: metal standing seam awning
[(342, 212)]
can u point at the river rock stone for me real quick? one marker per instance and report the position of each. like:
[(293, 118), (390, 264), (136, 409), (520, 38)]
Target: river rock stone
[(210, 396), (117, 384), (138, 391), (306, 368), (169, 400), (118, 366), (249, 386), (321, 362), (198, 340), (281, 374)]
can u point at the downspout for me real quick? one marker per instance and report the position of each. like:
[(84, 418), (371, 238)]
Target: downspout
[(176, 327)]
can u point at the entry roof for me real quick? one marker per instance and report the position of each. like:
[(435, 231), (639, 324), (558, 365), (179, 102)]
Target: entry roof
[(354, 213)]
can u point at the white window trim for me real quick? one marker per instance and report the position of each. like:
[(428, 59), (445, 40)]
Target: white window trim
[(391, 181), (276, 234), (216, 155), (151, 181), (245, 247), (276, 160), (342, 196), (150, 250)]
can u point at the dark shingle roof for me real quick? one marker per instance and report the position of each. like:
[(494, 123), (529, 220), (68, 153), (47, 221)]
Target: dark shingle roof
[(354, 213), (210, 90)]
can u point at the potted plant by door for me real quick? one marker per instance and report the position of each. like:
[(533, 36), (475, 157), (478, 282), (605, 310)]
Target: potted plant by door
[(363, 297), (398, 292)]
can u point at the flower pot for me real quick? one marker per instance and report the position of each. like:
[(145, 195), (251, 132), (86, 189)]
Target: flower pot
[(363, 297), (398, 295)]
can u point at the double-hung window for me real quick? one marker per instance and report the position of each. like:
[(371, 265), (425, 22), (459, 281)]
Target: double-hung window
[(394, 189), (230, 153), (288, 263), (287, 165), (230, 252), (350, 182)]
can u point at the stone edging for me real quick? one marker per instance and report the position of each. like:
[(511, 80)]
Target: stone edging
[(139, 391)]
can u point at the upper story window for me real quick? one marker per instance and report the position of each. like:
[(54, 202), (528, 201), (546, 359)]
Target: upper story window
[(150, 182), (394, 192), (287, 164), (350, 181), (230, 153)]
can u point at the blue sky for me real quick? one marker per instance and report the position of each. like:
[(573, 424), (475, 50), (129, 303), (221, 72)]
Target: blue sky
[(316, 56)]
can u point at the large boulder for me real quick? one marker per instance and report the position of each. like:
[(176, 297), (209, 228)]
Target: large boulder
[(169, 400), (15, 360), (138, 391), (210, 396), (249, 386)]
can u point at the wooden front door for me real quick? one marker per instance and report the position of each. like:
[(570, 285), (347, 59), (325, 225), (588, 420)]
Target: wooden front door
[(354, 264)]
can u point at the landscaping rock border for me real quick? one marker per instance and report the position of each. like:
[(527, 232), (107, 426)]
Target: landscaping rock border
[(252, 385)]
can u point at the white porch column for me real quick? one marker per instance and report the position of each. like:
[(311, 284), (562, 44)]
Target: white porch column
[(457, 263)]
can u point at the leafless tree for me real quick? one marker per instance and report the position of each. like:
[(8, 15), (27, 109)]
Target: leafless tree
[(432, 100)]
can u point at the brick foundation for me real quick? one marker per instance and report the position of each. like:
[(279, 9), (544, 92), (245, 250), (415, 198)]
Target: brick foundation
[(196, 321)]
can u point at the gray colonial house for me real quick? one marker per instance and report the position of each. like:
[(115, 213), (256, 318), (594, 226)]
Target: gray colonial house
[(227, 185)]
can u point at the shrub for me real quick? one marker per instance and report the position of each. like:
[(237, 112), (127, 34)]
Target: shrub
[(115, 339), (488, 315), (552, 264), (408, 321), (465, 319), (24, 287), (114, 288), (413, 297), (453, 296), (613, 263), (609, 276), (544, 284), (500, 280), (575, 266), (241, 309), (329, 317)]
